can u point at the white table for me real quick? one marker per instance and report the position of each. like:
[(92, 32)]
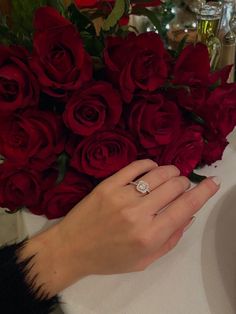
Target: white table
[(189, 280)]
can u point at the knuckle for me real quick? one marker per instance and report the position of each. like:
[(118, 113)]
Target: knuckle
[(184, 182), (102, 189), (162, 173), (149, 161), (115, 200), (143, 241), (166, 172), (134, 163), (143, 163), (127, 217), (174, 169), (192, 202), (98, 190)]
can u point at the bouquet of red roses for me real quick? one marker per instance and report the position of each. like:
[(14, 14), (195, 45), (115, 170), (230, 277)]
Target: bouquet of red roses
[(80, 106)]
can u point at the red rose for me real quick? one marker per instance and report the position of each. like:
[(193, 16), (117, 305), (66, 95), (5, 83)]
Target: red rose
[(154, 120), (22, 187), (213, 150), (60, 199), (18, 86), (219, 111), (95, 107), (192, 66), (47, 18), (59, 60), (103, 153), (136, 63), (186, 151), (33, 138), (19, 187)]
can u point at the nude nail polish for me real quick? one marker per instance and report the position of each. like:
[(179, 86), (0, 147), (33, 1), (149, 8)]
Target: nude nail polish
[(216, 180)]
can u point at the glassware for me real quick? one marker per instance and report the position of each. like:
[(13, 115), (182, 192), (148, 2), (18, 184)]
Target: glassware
[(228, 53), (228, 10), (227, 37), (209, 19), (232, 23)]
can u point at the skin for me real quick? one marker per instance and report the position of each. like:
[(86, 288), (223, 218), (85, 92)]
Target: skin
[(116, 229)]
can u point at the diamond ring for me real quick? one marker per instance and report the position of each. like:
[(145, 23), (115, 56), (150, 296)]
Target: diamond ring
[(141, 186)]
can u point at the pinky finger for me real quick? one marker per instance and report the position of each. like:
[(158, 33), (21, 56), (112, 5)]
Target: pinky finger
[(167, 247), (174, 239), (170, 244)]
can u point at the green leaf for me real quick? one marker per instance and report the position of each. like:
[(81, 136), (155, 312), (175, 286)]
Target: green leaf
[(8, 37), (98, 64), (4, 30), (181, 46), (120, 8), (81, 20), (196, 118), (22, 15), (11, 212), (215, 85), (93, 44), (170, 85), (123, 31), (63, 163), (57, 4), (196, 178)]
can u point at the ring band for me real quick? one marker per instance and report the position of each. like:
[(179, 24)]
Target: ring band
[(141, 186)]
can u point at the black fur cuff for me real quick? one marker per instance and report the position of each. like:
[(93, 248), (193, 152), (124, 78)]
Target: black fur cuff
[(17, 296)]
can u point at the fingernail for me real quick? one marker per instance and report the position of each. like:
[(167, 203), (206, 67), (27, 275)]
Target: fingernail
[(216, 180), (190, 223)]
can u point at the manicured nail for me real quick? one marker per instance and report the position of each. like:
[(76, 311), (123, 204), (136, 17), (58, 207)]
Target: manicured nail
[(190, 223), (216, 180)]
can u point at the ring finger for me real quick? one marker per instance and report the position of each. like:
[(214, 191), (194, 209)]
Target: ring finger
[(155, 178)]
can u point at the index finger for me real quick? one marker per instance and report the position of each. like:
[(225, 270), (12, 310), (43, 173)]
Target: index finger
[(182, 209)]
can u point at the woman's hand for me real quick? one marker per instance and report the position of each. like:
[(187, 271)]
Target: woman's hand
[(117, 229)]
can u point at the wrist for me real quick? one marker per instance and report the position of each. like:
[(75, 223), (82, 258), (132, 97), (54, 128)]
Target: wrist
[(53, 267)]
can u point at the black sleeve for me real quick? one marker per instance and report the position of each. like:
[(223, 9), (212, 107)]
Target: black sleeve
[(17, 296)]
